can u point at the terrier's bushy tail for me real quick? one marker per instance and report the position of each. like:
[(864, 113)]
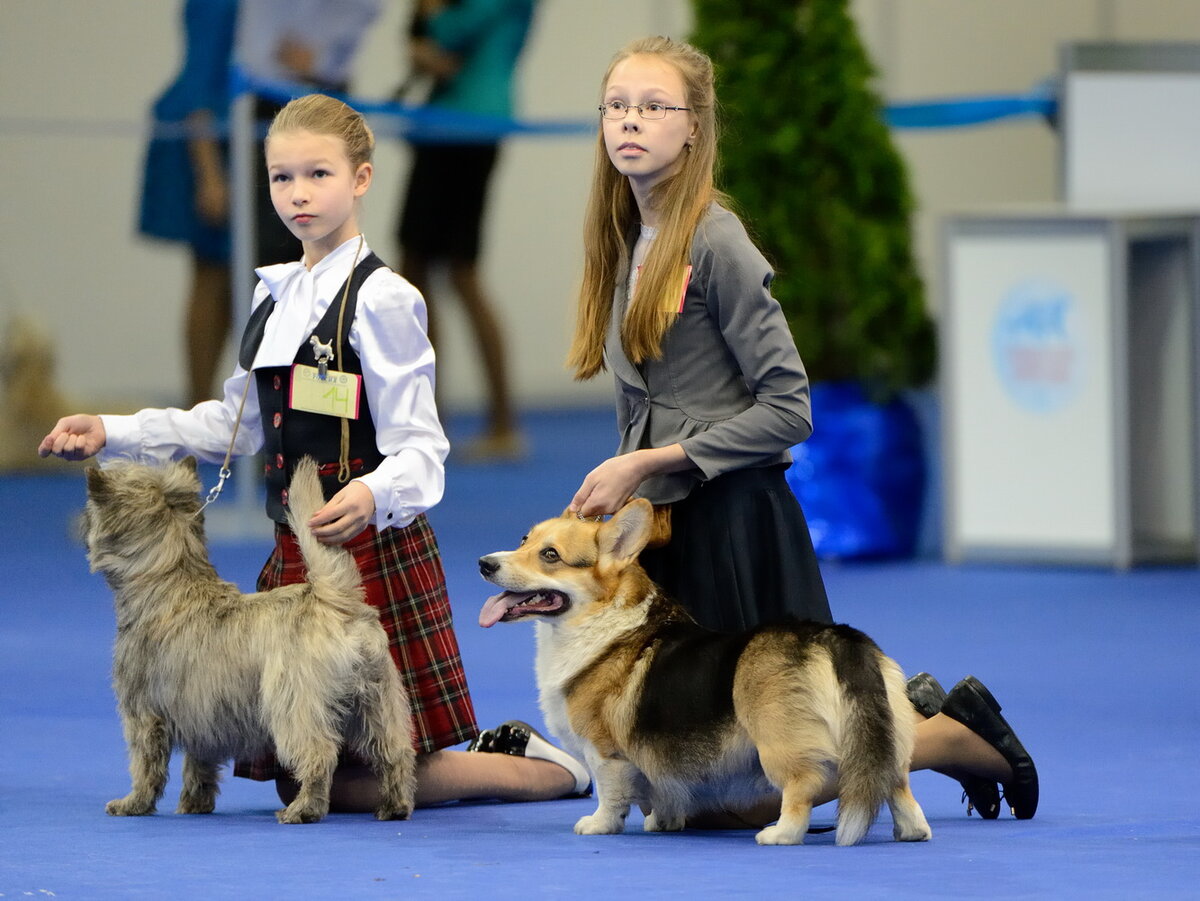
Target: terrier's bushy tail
[(332, 571)]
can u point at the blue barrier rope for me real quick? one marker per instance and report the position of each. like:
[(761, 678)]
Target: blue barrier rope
[(424, 122), (431, 123), (957, 113)]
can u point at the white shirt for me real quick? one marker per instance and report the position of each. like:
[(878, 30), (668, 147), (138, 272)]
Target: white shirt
[(332, 28), (388, 334)]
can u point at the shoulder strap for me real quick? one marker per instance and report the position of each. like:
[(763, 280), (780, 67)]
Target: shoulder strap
[(368, 265), (257, 324)]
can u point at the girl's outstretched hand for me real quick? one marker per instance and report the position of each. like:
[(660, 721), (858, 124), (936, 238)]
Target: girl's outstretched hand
[(347, 514), (74, 438)]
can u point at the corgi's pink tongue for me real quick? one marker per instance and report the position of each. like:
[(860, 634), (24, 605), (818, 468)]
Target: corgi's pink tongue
[(510, 605), (497, 605)]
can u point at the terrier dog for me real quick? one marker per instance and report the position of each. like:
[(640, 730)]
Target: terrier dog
[(681, 719), (198, 665)]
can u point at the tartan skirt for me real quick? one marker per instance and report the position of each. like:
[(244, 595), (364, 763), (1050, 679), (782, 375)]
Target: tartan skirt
[(403, 577)]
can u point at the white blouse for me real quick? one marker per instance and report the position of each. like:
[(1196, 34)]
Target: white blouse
[(388, 334)]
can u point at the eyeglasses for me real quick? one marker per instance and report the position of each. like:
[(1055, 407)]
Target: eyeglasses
[(619, 109)]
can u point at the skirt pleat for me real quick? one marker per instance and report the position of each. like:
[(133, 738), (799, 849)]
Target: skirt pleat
[(740, 554)]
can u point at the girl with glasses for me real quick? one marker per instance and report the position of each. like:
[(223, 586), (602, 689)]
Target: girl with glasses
[(711, 394)]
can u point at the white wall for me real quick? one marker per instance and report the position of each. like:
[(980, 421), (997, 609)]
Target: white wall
[(77, 76)]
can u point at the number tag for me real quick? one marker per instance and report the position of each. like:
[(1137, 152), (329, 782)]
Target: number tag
[(333, 394), (672, 305), (678, 307)]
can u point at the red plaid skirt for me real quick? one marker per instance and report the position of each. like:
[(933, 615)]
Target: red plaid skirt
[(403, 577)]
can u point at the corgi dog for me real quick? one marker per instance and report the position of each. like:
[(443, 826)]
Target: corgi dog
[(679, 719)]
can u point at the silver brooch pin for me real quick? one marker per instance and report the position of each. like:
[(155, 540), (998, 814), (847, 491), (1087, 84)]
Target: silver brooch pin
[(323, 353)]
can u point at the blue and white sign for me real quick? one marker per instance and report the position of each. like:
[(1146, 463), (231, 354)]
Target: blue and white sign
[(1030, 412), (1038, 346)]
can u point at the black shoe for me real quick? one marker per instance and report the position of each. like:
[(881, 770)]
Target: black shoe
[(522, 740), (513, 738), (485, 741), (971, 704), (927, 696)]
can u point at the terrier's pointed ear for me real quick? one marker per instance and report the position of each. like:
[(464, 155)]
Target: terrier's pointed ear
[(190, 463), (624, 536), (97, 482)]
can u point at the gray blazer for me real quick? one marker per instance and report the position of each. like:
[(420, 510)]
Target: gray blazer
[(730, 385)]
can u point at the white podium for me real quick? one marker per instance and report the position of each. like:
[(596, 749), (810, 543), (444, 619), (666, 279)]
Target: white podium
[(1069, 366)]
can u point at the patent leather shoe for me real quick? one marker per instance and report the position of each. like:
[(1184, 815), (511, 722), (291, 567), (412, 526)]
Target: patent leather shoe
[(971, 704), (926, 695)]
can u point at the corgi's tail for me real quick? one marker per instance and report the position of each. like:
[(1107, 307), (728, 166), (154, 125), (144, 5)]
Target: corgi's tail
[(332, 572), (875, 744)]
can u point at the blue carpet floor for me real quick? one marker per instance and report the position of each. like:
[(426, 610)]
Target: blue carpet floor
[(1096, 669)]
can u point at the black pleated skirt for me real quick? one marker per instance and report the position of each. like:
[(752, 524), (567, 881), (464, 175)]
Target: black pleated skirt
[(740, 553)]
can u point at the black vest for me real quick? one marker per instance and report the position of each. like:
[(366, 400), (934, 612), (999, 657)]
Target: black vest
[(290, 434)]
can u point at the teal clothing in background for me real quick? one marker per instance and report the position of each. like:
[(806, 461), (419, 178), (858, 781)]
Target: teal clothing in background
[(487, 36), (168, 205), (443, 209)]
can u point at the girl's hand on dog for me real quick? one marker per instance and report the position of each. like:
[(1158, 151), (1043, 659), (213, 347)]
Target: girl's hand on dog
[(74, 438), (345, 516), (607, 487), (610, 485)]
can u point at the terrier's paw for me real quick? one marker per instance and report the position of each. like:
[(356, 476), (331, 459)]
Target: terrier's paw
[(393, 812), (656, 822), (129, 806), (196, 805), (301, 813)]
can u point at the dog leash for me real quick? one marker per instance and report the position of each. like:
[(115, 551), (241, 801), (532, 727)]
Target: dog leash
[(225, 471), (344, 447)]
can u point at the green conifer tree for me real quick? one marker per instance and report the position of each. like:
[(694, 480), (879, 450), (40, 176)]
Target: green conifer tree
[(809, 162)]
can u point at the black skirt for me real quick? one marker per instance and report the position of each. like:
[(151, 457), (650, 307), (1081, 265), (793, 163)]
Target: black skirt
[(740, 553), (442, 214)]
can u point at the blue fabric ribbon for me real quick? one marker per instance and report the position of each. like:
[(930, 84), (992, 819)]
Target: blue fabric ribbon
[(427, 123), (964, 111), (433, 124)]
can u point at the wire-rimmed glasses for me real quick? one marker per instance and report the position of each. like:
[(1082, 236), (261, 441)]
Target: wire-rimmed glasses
[(619, 109)]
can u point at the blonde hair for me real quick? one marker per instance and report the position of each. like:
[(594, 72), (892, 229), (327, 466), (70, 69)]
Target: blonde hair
[(323, 115), (681, 201)]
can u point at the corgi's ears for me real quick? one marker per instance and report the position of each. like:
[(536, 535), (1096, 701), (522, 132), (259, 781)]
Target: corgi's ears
[(624, 536)]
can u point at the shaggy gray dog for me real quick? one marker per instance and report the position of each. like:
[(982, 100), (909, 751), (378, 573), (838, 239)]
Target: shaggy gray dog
[(198, 665)]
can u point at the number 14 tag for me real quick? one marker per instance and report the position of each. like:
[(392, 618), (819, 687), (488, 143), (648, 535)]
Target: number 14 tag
[(334, 394)]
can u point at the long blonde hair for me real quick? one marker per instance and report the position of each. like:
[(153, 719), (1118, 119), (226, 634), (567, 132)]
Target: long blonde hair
[(681, 201), (323, 115)]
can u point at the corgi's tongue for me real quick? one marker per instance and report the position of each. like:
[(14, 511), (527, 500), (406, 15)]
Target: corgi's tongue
[(513, 604), (495, 607)]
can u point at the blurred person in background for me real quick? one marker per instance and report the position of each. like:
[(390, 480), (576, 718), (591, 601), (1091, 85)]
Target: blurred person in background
[(185, 183), (311, 44), (466, 53)]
